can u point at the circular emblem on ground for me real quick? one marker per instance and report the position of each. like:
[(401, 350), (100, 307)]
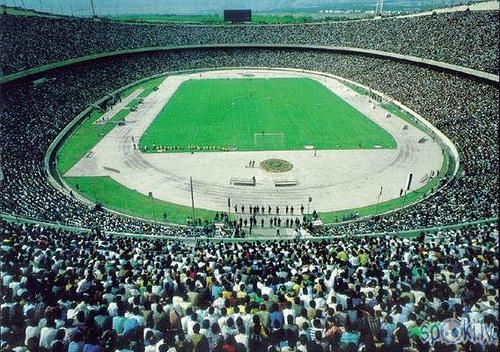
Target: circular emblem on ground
[(275, 165)]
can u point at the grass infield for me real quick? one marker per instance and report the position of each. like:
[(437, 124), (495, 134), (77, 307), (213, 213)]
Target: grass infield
[(218, 114), (115, 196), (88, 134), (118, 197)]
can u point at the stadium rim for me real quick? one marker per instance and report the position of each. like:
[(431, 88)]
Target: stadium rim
[(432, 64)]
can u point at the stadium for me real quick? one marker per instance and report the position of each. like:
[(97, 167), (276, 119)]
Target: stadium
[(251, 180)]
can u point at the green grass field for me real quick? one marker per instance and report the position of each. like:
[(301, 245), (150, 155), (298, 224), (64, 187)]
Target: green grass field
[(114, 195), (290, 94), (292, 113), (107, 191), (88, 134)]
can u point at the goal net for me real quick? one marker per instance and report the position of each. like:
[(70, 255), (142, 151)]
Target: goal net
[(269, 140)]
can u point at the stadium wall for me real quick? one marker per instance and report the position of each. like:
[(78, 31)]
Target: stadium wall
[(433, 232)]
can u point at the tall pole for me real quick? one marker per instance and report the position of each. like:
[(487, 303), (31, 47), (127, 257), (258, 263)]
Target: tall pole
[(402, 205), (92, 184), (153, 206), (93, 8), (404, 200), (192, 195), (378, 200)]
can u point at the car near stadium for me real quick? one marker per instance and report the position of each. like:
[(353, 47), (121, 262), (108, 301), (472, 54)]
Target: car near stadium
[(249, 176)]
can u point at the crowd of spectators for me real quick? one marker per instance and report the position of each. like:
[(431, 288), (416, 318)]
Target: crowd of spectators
[(86, 292), (95, 292), (465, 110), (468, 38)]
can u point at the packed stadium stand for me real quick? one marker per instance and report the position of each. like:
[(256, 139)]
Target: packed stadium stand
[(466, 38), (74, 292), (88, 290), (471, 108)]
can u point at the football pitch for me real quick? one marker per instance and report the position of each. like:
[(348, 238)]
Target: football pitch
[(250, 114), (268, 114)]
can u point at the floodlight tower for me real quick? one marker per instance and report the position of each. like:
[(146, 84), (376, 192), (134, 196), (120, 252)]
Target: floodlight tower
[(93, 8), (379, 7)]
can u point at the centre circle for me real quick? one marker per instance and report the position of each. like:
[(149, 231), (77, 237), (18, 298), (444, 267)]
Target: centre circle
[(275, 165)]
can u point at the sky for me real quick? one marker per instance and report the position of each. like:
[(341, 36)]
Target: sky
[(118, 7)]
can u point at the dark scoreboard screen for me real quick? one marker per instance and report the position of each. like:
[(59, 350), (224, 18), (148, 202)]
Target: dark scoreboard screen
[(237, 15)]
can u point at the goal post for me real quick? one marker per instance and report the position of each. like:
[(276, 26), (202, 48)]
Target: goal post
[(269, 140)]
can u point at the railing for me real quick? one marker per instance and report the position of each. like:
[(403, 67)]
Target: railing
[(429, 231)]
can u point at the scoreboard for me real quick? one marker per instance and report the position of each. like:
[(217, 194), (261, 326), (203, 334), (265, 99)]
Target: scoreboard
[(237, 16)]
